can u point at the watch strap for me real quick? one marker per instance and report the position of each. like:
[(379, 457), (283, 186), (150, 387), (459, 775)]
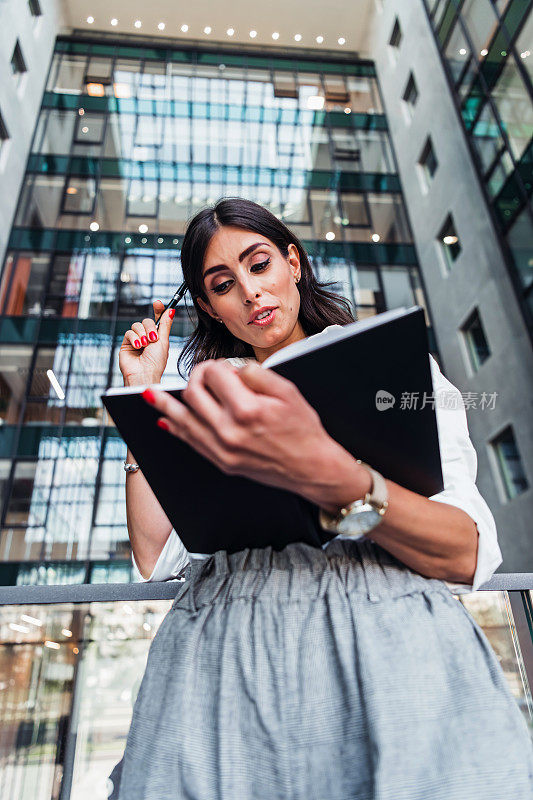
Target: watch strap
[(377, 497)]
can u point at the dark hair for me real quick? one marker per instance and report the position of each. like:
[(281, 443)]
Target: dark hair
[(318, 307)]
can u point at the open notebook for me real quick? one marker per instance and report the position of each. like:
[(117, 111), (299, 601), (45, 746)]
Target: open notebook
[(358, 378)]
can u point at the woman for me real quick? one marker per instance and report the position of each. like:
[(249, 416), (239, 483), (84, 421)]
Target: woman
[(349, 671)]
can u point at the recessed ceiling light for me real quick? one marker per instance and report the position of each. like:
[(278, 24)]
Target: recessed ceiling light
[(184, 28), (95, 89), (462, 51), (330, 236), (72, 190), (253, 34), (127, 239), (138, 23), (375, 237), (94, 226), (90, 20), (320, 39), (298, 37), (207, 29), (81, 111), (144, 240), (275, 35), (230, 31), (484, 52), (450, 240), (347, 110), (525, 54), (342, 40), (85, 129), (222, 66), (143, 228), (114, 21), (161, 26)]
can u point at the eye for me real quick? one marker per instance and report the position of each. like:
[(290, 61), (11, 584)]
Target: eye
[(261, 264)]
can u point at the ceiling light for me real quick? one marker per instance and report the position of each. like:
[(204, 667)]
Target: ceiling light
[(207, 30), (90, 20), (330, 236), (230, 31), (347, 110), (94, 226), (315, 102), (81, 111), (525, 54), (55, 384), (222, 66), (85, 129), (298, 37), (342, 40), (138, 23), (95, 89), (462, 51), (31, 620), (376, 237), (143, 228), (450, 240), (503, 53), (320, 39), (114, 21), (144, 240), (161, 26), (484, 52), (52, 645), (160, 240), (275, 35), (127, 240), (72, 190), (253, 34), (184, 28)]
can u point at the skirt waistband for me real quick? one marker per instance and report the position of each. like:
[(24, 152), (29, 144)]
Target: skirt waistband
[(300, 572)]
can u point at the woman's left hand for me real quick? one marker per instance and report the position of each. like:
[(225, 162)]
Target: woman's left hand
[(251, 422)]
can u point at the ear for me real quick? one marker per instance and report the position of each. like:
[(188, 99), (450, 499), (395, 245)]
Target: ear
[(206, 307), (294, 261)]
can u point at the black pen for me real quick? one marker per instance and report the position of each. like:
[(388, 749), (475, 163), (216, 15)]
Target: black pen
[(174, 302)]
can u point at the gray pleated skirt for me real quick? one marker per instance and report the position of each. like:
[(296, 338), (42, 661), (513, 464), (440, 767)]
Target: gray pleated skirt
[(322, 675)]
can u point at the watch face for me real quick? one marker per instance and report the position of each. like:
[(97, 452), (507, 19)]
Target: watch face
[(359, 521)]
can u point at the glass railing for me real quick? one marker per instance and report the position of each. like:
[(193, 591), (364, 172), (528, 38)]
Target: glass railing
[(72, 660)]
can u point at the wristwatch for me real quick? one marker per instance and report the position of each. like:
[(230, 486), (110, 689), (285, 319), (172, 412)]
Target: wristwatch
[(358, 518)]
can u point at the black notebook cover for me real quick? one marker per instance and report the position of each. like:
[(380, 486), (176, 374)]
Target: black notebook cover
[(341, 377)]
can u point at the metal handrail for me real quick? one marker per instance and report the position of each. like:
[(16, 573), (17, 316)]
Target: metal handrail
[(167, 590)]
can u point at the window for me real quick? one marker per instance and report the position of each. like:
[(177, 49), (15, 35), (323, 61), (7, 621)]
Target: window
[(18, 65), (448, 242), (35, 8), (4, 135), (427, 165), (509, 464), (396, 35), (410, 96), (90, 129), (475, 340)]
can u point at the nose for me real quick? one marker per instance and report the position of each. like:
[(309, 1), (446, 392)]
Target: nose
[(249, 290)]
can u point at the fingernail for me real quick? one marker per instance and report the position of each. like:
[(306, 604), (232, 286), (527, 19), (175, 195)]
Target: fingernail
[(153, 336), (171, 313), (163, 423), (149, 396), (144, 340), (136, 343)]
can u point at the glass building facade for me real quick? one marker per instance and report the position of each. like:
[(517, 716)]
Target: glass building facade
[(487, 49), (129, 144)]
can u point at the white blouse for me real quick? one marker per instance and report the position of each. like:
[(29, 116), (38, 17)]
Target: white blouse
[(459, 470)]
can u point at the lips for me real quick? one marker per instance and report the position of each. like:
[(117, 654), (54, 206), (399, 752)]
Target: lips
[(260, 311)]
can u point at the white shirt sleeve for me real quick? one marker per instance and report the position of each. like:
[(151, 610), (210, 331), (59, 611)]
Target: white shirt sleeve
[(459, 470), (171, 562)]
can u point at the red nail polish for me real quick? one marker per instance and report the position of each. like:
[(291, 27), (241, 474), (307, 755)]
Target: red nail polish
[(153, 336), (149, 396), (163, 424), (144, 340), (136, 343), (171, 313)]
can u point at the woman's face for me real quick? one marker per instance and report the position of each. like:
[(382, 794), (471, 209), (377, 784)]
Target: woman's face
[(244, 271)]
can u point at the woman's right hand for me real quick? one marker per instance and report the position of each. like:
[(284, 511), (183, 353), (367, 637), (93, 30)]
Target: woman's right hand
[(144, 350)]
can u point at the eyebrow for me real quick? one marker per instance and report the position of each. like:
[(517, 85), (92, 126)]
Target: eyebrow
[(242, 256)]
